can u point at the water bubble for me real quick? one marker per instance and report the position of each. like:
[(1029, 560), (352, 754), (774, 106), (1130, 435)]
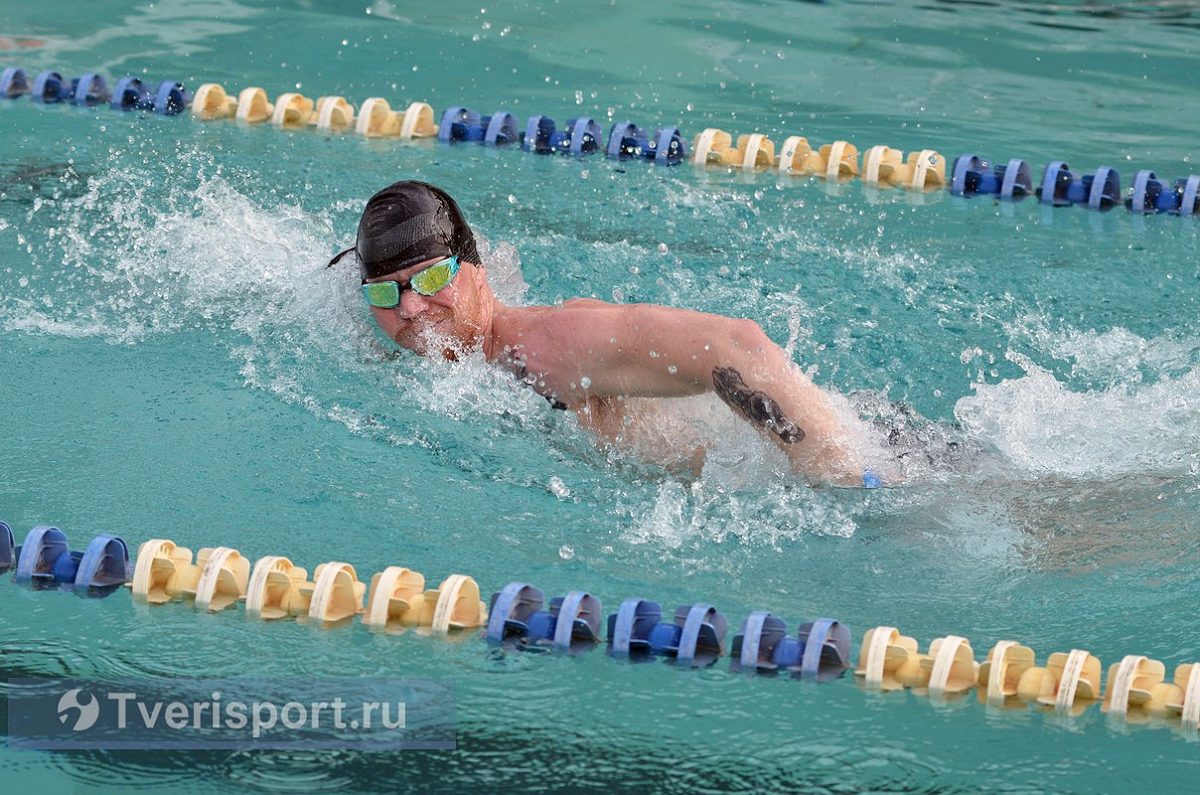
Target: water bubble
[(672, 369), (558, 488), (512, 199), (585, 382), (566, 552), (662, 248)]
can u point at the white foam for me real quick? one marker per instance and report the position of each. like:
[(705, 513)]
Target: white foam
[(1044, 427)]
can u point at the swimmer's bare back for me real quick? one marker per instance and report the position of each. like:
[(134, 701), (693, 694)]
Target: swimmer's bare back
[(586, 349)]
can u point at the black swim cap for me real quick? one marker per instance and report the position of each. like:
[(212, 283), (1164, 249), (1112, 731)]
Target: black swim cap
[(407, 222)]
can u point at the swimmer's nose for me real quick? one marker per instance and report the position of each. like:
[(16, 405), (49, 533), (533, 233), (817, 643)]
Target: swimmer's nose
[(412, 304)]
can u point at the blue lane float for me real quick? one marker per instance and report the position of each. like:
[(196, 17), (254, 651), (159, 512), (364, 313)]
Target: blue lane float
[(170, 98), (49, 88), (972, 175), (571, 625), (1062, 187), (8, 550), (90, 89), (542, 136), (464, 124), (1137, 689), (820, 650), (500, 128), (627, 141), (13, 83), (695, 638), (45, 559), (132, 94), (1153, 195)]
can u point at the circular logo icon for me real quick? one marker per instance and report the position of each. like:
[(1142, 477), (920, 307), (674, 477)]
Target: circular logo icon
[(87, 713)]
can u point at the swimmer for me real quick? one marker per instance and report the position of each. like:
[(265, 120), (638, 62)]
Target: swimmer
[(423, 280)]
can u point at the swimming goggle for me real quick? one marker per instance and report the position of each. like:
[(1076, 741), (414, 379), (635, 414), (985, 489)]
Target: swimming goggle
[(429, 281)]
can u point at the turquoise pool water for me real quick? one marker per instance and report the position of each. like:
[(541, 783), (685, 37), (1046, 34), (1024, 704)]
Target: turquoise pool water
[(174, 361)]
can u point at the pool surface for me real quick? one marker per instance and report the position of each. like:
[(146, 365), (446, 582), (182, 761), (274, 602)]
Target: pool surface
[(175, 361)]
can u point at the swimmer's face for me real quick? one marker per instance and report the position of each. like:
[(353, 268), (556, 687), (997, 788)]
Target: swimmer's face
[(454, 312)]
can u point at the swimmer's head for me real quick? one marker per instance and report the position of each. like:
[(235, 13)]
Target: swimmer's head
[(409, 222), (405, 228)]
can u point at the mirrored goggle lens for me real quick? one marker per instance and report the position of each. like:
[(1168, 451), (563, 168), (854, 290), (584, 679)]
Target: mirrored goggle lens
[(434, 278), (384, 295)]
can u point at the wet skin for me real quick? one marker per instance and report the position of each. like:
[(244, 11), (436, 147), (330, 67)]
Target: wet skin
[(587, 356)]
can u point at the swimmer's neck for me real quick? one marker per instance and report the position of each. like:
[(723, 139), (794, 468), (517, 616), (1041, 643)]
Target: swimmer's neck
[(505, 327)]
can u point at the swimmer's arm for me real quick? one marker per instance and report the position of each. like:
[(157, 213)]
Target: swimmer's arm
[(644, 350)]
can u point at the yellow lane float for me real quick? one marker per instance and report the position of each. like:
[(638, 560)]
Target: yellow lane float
[(923, 170), (1181, 698), (376, 119), (334, 595), (274, 589), (165, 572), (1068, 683), (211, 102), (159, 562), (1000, 675), (1130, 689), (948, 669), (292, 110), (399, 600), (713, 147), (793, 155), (251, 106), (334, 115), (884, 652), (835, 161)]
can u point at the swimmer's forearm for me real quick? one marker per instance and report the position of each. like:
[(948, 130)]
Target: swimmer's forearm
[(757, 379)]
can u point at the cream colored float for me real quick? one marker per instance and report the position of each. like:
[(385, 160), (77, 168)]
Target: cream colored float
[(793, 155), (280, 589), (327, 114), (1068, 683), (211, 102), (292, 111), (923, 170), (714, 147), (1179, 698), (274, 589), (1130, 689), (159, 561), (376, 119), (1000, 675), (835, 161), (165, 572), (949, 669), (399, 600), (251, 106), (884, 652)]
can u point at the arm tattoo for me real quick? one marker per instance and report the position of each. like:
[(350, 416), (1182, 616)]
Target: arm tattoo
[(758, 407)]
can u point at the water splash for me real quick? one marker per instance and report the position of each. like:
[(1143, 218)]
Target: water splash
[(1044, 427)]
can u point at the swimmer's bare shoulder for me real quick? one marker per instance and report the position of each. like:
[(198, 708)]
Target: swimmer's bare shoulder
[(586, 348)]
